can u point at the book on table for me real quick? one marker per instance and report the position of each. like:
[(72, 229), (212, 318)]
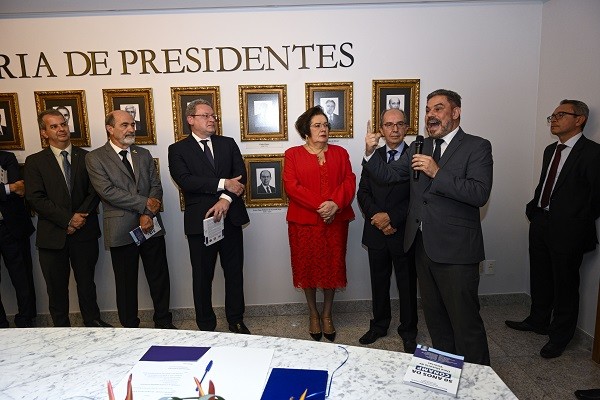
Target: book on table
[(434, 370)]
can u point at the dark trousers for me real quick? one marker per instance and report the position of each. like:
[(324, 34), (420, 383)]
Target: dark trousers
[(231, 252), (56, 266), (554, 279), (125, 262), (16, 254), (449, 294), (381, 264)]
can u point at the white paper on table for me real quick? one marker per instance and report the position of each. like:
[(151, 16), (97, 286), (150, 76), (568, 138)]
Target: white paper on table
[(237, 373), (213, 231)]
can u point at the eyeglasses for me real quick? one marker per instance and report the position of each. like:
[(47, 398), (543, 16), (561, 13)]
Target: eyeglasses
[(559, 115), (319, 125), (205, 116), (399, 125)]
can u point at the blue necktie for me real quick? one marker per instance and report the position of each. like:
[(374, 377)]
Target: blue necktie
[(392, 154)]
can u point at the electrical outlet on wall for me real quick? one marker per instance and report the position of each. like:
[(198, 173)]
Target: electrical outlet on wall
[(487, 267)]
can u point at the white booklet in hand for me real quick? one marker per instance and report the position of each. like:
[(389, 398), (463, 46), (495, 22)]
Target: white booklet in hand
[(213, 231), (140, 237)]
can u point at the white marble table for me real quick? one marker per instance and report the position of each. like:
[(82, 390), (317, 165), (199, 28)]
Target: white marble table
[(75, 363)]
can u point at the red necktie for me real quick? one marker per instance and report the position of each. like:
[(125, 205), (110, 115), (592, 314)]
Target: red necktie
[(551, 176)]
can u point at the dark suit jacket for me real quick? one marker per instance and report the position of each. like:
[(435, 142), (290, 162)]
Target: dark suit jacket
[(12, 206), (575, 199), (47, 193), (123, 199), (392, 198), (261, 190), (447, 206), (198, 180)]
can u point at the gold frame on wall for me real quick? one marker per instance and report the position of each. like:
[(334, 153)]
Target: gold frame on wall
[(255, 164), (140, 99), (180, 96), (74, 103), (406, 89), (270, 121), (340, 93), (9, 104)]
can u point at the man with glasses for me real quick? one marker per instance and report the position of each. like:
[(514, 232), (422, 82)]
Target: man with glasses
[(210, 171), (385, 206), (562, 227)]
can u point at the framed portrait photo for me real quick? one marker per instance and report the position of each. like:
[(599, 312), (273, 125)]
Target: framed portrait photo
[(264, 187), (263, 112), (335, 98), (11, 132), (71, 104), (402, 94), (138, 103), (182, 96)]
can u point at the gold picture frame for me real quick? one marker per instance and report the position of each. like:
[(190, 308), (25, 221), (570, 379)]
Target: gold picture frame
[(336, 100), (181, 96), (139, 103), (72, 105), (397, 93), (11, 137), (263, 112), (258, 165)]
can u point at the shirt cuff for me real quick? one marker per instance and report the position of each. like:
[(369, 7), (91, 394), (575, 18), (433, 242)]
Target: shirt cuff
[(7, 189), (224, 196), (221, 186)]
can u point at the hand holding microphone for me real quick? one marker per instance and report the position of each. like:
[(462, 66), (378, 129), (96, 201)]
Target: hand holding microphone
[(418, 150)]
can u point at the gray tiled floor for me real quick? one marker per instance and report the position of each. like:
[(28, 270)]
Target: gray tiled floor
[(514, 355)]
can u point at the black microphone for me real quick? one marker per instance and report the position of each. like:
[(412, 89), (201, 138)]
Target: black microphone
[(418, 150)]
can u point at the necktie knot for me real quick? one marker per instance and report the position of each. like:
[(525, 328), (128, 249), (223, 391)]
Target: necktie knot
[(123, 154), (127, 164), (207, 152), (65, 154), (560, 147), (392, 155)]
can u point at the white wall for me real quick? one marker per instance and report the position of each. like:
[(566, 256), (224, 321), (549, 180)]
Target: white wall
[(570, 69), (488, 52)]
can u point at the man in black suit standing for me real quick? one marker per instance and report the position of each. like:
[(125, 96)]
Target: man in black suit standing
[(15, 248), (385, 206), (443, 222), (562, 227), (265, 187), (126, 179), (210, 171), (59, 190)]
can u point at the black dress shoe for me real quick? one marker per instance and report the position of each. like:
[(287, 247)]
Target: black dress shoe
[(239, 328), (590, 394), (168, 325), (98, 323), (526, 326), (552, 350), (410, 346), (25, 324), (370, 337)]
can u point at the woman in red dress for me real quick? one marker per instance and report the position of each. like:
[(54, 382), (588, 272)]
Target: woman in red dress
[(320, 184)]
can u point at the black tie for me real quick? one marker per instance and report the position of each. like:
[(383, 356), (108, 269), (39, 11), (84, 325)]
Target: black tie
[(392, 154), (208, 152), (437, 152), (551, 176), (67, 168), (127, 164)]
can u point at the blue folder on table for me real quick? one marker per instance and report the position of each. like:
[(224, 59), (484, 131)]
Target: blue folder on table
[(285, 383)]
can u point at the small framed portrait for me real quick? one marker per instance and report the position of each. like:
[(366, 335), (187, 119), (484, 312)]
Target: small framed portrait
[(335, 98), (11, 132), (263, 112), (138, 103), (402, 94), (72, 105), (264, 187), (182, 96)]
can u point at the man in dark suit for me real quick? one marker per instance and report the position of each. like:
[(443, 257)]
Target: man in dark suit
[(385, 206), (443, 223), (335, 121), (59, 190), (125, 177), (210, 171), (562, 227), (15, 248), (265, 187)]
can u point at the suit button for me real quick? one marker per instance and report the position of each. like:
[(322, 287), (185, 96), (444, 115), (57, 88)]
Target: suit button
[(425, 202)]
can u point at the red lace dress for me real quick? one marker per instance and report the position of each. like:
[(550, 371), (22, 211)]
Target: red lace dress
[(318, 251)]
